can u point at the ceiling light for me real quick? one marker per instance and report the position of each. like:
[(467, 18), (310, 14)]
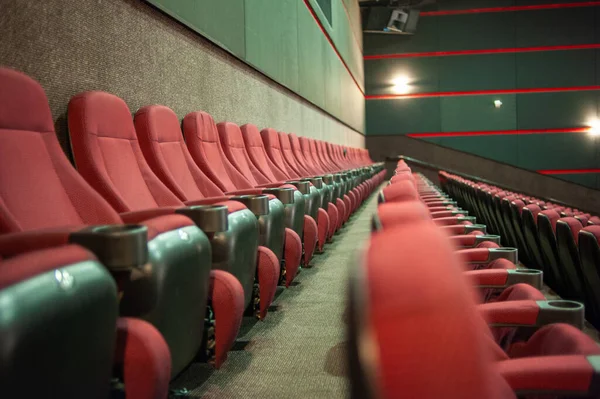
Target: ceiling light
[(401, 85), (594, 129), (497, 103)]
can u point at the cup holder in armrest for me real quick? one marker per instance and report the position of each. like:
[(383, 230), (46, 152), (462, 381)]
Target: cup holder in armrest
[(118, 247), (561, 311), (471, 219), (209, 218), (512, 254), (527, 276), (469, 228), (316, 181), (327, 179), (459, 212), (302, 185), (485, 238), (258, 204), (337, 177), (285, 195)]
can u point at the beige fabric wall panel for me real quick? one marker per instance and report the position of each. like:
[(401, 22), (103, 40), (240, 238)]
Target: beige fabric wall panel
[(128, 48)]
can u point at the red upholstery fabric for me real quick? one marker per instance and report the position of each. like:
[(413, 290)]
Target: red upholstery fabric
[(202, 139), (56, 194), (521, 312), (232, 206), (553, 216), (159, 134), (290, 159), (145, 358), (401, 191), (108, 154), (301, 159), (311, 232), (490, 277), (162, 224), (535, 210), (323, 226), (594, 230), (21, 242), (391, 214), (267, 270), (292, 255), (406, 307), (227, 295), (234, 148), (272, 147), (258, 155), (556, 339), (29, 264)]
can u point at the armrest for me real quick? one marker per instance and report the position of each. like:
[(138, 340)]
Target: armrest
[(553, 375), (17, 243), (452, 220), (136, 217), (501, 278), (487, 255), (461, 229), (207, 201), (532, 313)]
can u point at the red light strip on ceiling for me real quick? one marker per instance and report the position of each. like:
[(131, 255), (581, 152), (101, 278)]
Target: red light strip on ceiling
[(567, 171), (512, 8), (483, 51), (481, 92), (318, 21), (500, 132)]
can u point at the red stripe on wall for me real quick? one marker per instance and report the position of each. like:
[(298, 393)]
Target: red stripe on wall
[(483, 51), (499, 132), (482, 92), (318, 21), (567, 171), (512, 8)]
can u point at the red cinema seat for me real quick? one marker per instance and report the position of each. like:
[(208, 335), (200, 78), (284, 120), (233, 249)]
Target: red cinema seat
[(162, 143), (162, 267)]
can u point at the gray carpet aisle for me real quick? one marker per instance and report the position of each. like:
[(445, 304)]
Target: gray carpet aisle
[(297, 352)]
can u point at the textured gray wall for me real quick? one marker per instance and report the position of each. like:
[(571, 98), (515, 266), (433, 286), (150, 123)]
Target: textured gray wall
[(522, 180), (130, 49)]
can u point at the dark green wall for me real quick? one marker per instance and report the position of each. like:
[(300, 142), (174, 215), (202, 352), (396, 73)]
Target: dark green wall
[(505, 71), (282, 39)]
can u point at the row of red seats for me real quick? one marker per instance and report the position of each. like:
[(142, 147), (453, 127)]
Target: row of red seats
[(430, 319), (147, 255), (561, 241)]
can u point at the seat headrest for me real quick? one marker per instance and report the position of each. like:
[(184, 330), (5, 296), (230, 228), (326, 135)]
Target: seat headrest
[(230, 135), (202, 125), (251, 136), (160, 122), (93, 109), (23, 103), (270, 138)]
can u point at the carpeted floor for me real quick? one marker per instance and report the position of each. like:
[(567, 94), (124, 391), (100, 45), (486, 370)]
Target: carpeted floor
[(298, 351)]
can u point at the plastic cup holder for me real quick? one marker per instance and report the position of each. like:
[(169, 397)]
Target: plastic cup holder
[(118, 247), (285, 195), (258, 204), (563, 304), (327, 179), (302, 186), (209, 218), (316, 181), (529, 271), (475, 227)]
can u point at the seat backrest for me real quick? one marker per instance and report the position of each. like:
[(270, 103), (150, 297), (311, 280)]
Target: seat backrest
[(108, 155), (300, 156), (290, 158), (567, 237), (395, 314), (319, 153), (202, 139), (305, 145), (258, 154), (272, 145), (39, 188), (234, 148), (159, 134), (556, 340), (589, 255)]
